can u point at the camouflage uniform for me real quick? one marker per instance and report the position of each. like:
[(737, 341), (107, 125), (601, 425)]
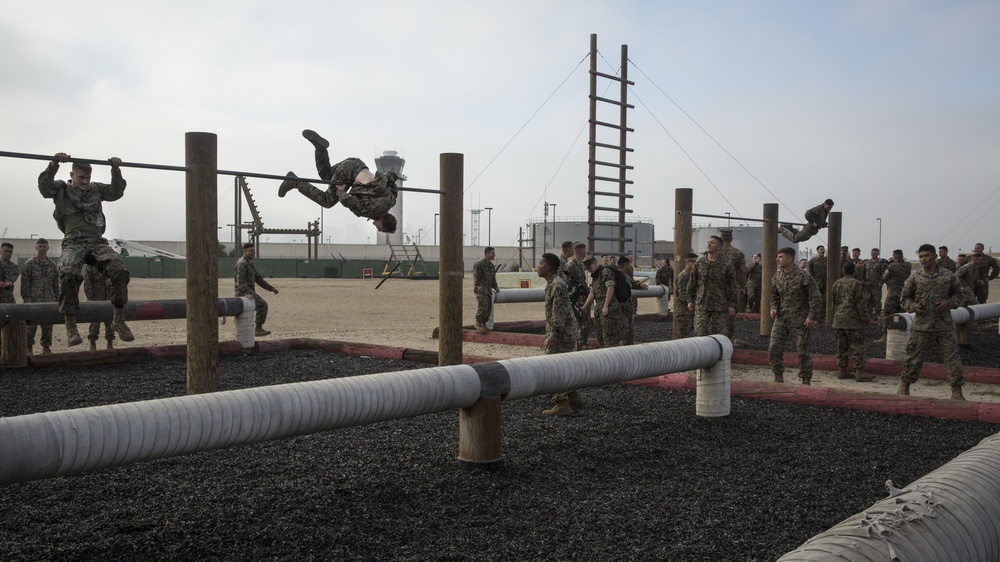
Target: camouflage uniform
[(737, 259), (712, 289), (40, 283), (898, 272), (246, 277), (612, 328), (575, 276), (685, 317), (850, 318), (816, 219), (560, 323), (484, 282), (79, 214), (967, 276), (96, 289), (988, 270), (931, 327), (795, 297), (630, 307), (754, 272), (343, 172), (859, 274), (665, 276), (947, 263), (817, 268), (873, 285), (10, 273)]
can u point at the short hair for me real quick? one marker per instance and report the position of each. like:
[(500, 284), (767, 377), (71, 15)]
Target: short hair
[(488, 249), (624, 261), (821, 247), (579, 246), (844, 248), (567, 245), (83, 167), (388, 223), (248, 245), (897, 252), (945, 248), (788, 251), (691, 257), (827, 202), (856, 250), (552, 260), (848, 267), (7, 245), (719, 238), (925, 248), (876, 250), (41, 241)]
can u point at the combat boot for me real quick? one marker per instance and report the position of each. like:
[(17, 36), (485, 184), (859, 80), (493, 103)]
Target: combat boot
[(288, 185), (93, 345), (120, 327), (807, 381), (779, 377), (904, 388), (956, 393), (844, 374), (72, 334), (880, 341), (575, 400), (482, 329), (316, 140), (111, 345), (861, 376), (31, 350), (560, 409), (46, 350), (260, 332)]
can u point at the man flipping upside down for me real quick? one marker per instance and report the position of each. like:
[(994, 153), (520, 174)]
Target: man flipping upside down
[(351, 183)]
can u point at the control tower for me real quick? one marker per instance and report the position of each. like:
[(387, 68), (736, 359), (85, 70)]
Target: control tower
[(391, 162)]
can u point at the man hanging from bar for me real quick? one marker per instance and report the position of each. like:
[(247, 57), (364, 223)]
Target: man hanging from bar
[(815, 219), (351, 183), (80, 216)]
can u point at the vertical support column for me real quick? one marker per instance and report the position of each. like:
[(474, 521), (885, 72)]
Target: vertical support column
[(202, 217), (833, 237), (768, 263), (452, 265), (623, 153), (683, 200), (591, 152), (14, 343)]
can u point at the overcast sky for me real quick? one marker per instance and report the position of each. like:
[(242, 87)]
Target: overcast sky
[(891, 108)]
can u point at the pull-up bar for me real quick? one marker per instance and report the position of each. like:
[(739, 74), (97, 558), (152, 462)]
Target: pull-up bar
[(184, 169), (741, 218)]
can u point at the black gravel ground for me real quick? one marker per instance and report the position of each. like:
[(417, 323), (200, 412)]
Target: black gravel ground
[(635, 476)]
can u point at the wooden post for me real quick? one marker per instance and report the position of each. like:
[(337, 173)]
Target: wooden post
[(768, 263), (452, 264), (683, 200), (201, 159), (14, 344), (833, 238)]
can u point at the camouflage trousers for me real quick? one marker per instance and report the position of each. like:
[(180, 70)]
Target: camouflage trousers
[(753, 298), (610, 329), (484, 305), (629, 311), (708, 322), (921, 343), (851, 342), (561, 347), (46, 334), (806, 233), (685, 324), (98, 292), (585, 321), (781, 332), (343, 172), (7, 296), (890, 307), (97, 253), (873, 300), (983, 292)]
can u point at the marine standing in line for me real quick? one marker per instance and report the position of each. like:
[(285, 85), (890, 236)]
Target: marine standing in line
[(989, 269), (40, 283), (684, 315), (575, 276), (817, 268), (874, 268), (815, 220), (968, 278), (9, 273), (95, 287), (561, 331), (484, 284), (738, 260), (944, 262), (609, 318), (795, 304), (632, 305), (930, 294), (859, 268), (79, 215), (895, 275), (712, 291), (754, 275), (246, 279), (850, 319)]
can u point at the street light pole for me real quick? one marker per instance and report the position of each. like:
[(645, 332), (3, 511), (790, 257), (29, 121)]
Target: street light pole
[(436, 228), (553, 205), (879, 219), (420, 234), (489, 226)]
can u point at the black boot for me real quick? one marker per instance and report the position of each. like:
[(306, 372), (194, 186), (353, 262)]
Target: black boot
[(313, 137)]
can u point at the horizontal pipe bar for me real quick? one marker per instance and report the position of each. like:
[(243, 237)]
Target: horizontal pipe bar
[(66, 442), (538, 295), (611, 164), (612, 77), (612, 180), (611, 146), (604, 223), (606, 239), (612, 209), (726, 217), (612, 194), (612, 125), (44, 313), (961, 315), (611, 101)]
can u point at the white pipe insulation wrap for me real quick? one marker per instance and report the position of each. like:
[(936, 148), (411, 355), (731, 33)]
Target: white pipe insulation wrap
[(547, 374), (960, 315), (72, 441), (949, 514), (245, 324), (506, 296)]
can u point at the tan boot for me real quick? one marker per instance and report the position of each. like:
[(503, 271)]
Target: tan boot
[(779, 377), (807, 381), (861, 376), (904, 388), (260, 332), (560, 409), (46, 350), (120, 327), (111, 345), (72, 334), (844, 374), (93, 345), (880, 341), (482, 329), (575, 400), (288, 185), (956, 393)]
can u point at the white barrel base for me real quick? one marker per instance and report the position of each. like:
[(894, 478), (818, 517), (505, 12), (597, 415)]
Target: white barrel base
[(713, 390), (895, 344)]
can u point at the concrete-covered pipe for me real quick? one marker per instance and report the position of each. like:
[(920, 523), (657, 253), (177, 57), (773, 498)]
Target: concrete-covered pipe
[(538, 295), (245, 326), (41, 313), (72, 441), (949, 514), (901, 324)]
